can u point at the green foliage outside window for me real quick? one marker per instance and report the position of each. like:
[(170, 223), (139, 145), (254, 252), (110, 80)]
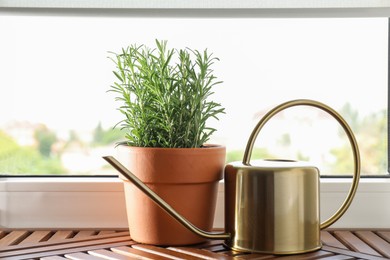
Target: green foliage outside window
[(16, 159), (44, 157)]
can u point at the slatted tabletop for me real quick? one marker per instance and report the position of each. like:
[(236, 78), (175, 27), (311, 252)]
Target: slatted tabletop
[(94, 244)]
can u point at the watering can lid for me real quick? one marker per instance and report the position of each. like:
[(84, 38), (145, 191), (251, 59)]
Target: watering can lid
[(273, 163)]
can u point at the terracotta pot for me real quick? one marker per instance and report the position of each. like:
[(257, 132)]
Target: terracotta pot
[(186, 178)]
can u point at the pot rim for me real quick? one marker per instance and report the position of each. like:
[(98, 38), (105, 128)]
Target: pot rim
[(174, 165), (208, 146)]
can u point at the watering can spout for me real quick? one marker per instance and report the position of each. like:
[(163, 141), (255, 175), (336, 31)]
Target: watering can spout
[(159, 201)]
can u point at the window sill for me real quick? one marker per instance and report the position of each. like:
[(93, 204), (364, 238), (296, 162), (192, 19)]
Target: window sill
[(99, 203)]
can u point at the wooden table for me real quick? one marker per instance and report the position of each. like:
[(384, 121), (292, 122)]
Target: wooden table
[(97, 244)]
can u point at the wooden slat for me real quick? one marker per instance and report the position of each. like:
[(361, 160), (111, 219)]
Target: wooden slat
[(107, 254), (59, 247), (376, 242), (65, 251), (309, 256), (36, 237), (3, 233), (338, 257), (132, 252), (81, 256), (255, 256), (55, 242), (97, 244), (13, 238), (354, 243), (85, 233), (164, 252), (384, 234), (53, 258), (62, 234), (200, 253), (347, 252), (105, 232), (328, 239), (229, 253), (208, 244), (217, 248)]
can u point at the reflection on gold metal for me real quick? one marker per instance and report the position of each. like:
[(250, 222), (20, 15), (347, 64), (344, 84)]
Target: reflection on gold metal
[(348, 131), (271, 206), (275, 207)]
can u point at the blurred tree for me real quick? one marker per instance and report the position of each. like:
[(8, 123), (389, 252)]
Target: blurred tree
[(45, 138), (98, 134), (351, 116), (371, 135), (15, 159), (285, 140), (257, 153), (103, 137), (7, 145), (73, 137)]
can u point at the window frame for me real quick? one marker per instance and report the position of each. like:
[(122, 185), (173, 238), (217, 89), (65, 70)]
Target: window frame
[(81, 202), (92, 203)]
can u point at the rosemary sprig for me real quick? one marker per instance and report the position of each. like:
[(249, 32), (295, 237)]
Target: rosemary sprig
[(165, 103)]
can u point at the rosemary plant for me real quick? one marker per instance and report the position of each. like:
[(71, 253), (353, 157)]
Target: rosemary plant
[(164, 95)]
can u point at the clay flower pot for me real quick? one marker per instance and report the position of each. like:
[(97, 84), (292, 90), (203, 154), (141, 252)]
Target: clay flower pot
[(186, 178)]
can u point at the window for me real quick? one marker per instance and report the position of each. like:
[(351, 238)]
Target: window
[(98, 202), (57, 116)]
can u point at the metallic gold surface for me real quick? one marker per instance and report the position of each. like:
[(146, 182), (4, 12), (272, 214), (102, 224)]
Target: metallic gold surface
[(273, 207), (356, 156)]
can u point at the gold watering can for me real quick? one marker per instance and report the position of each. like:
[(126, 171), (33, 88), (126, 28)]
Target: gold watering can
[(271, 206)]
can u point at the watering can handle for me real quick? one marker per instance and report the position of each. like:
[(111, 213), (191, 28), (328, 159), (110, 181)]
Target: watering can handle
[(356, 157)]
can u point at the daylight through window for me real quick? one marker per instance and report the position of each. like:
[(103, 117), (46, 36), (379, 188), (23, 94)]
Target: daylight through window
[(57, 116)]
